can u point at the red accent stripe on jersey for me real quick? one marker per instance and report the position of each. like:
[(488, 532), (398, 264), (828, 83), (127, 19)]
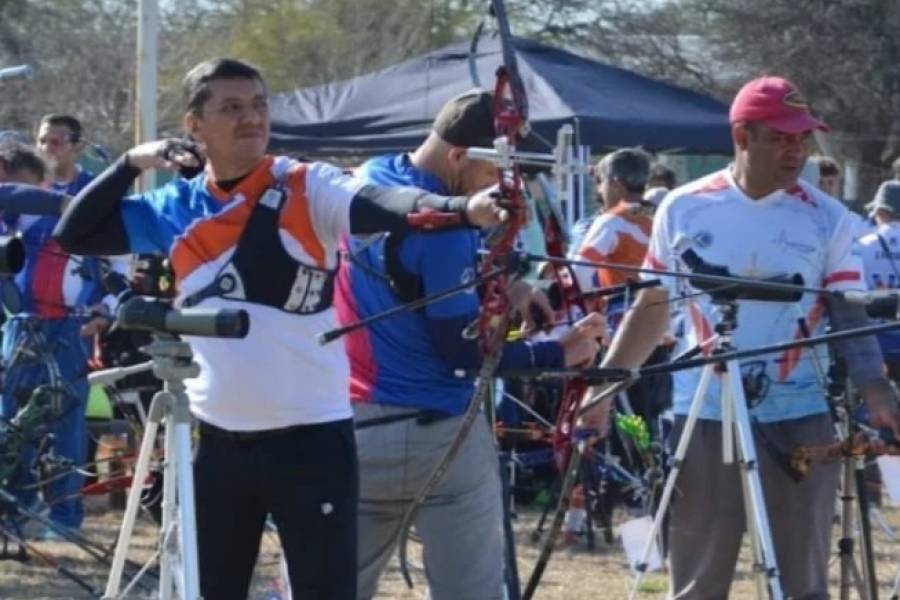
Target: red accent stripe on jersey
[(798, 192), (702, 328), (790, 358), (716, 184), (842, 276), (47, 284), (363, 367), (651, 262)]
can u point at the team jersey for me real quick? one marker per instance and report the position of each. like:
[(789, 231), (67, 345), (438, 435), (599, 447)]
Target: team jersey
[(619, 235), (410, 358), (880, 254), (395, 361), (52, 281), (861, 225), (278, 375), (799, 230)]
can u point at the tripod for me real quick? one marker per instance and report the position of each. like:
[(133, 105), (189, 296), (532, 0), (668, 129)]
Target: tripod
[(735, 421), (177, 552), (853, 496)]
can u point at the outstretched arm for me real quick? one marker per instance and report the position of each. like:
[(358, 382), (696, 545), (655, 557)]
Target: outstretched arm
[(92, 224)]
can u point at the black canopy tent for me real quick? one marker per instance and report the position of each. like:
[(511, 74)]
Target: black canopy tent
[(392, 110)]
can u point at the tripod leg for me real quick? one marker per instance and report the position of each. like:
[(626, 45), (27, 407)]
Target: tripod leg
[(141, 469), (895, 592), (750, 478), (167, 564), (849, 573), (666, 498), (867, 555), (187, 520)]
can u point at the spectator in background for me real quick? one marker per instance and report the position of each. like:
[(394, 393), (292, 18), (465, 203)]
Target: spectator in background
[(661, 176), (620, 236), (829, 175), (661, 180), (60, 142), (895, 168), (621, 233), (828, 179)]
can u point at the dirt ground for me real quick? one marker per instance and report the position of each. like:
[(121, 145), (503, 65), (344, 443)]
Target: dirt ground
[(574, 572)]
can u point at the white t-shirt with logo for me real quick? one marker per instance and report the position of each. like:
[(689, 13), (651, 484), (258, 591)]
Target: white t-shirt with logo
[(800, 230)]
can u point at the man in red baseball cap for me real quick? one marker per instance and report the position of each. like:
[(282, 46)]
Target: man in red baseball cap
[(777, 103), (771, 125), (757, 219)]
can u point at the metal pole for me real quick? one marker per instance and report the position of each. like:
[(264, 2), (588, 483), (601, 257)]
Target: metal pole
[(145, 97)]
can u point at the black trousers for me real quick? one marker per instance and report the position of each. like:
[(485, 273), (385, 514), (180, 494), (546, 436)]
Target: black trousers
[(307, 479)]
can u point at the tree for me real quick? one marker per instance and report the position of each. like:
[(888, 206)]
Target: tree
[(843, 54), (83, 55), (316, 41)]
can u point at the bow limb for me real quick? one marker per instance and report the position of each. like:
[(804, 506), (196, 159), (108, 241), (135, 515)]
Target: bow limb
[(510, 120), (570, 476), (567, 451)]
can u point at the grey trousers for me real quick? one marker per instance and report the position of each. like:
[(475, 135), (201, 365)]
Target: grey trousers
[(707, 518), (461, 522)]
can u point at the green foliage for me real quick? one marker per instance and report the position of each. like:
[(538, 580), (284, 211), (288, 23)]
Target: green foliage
[(299, 43), (634, 427), (653, 585), (84, 51)]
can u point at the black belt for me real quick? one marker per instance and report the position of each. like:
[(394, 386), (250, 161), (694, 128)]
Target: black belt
[(249, 436)]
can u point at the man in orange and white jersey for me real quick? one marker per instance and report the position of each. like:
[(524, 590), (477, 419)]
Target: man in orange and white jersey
[(621, 232), (619, 235), (260, 233), (755, 218)]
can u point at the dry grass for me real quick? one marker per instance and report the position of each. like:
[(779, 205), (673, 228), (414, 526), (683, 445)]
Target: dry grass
[(574, 572)]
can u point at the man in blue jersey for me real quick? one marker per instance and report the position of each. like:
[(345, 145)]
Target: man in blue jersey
[(407, 400), (58, 291), (260, 233)]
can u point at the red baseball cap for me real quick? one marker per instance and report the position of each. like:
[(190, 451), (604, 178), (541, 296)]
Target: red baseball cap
[(776, 102)]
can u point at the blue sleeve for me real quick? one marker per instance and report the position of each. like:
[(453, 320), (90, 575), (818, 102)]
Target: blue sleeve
[(28, 199), (148, 219), (443, 260), (446, 259), (462, 353)]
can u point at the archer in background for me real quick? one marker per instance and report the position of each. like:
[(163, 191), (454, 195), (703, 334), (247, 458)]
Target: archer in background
[(407, 400), (59, 291)]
